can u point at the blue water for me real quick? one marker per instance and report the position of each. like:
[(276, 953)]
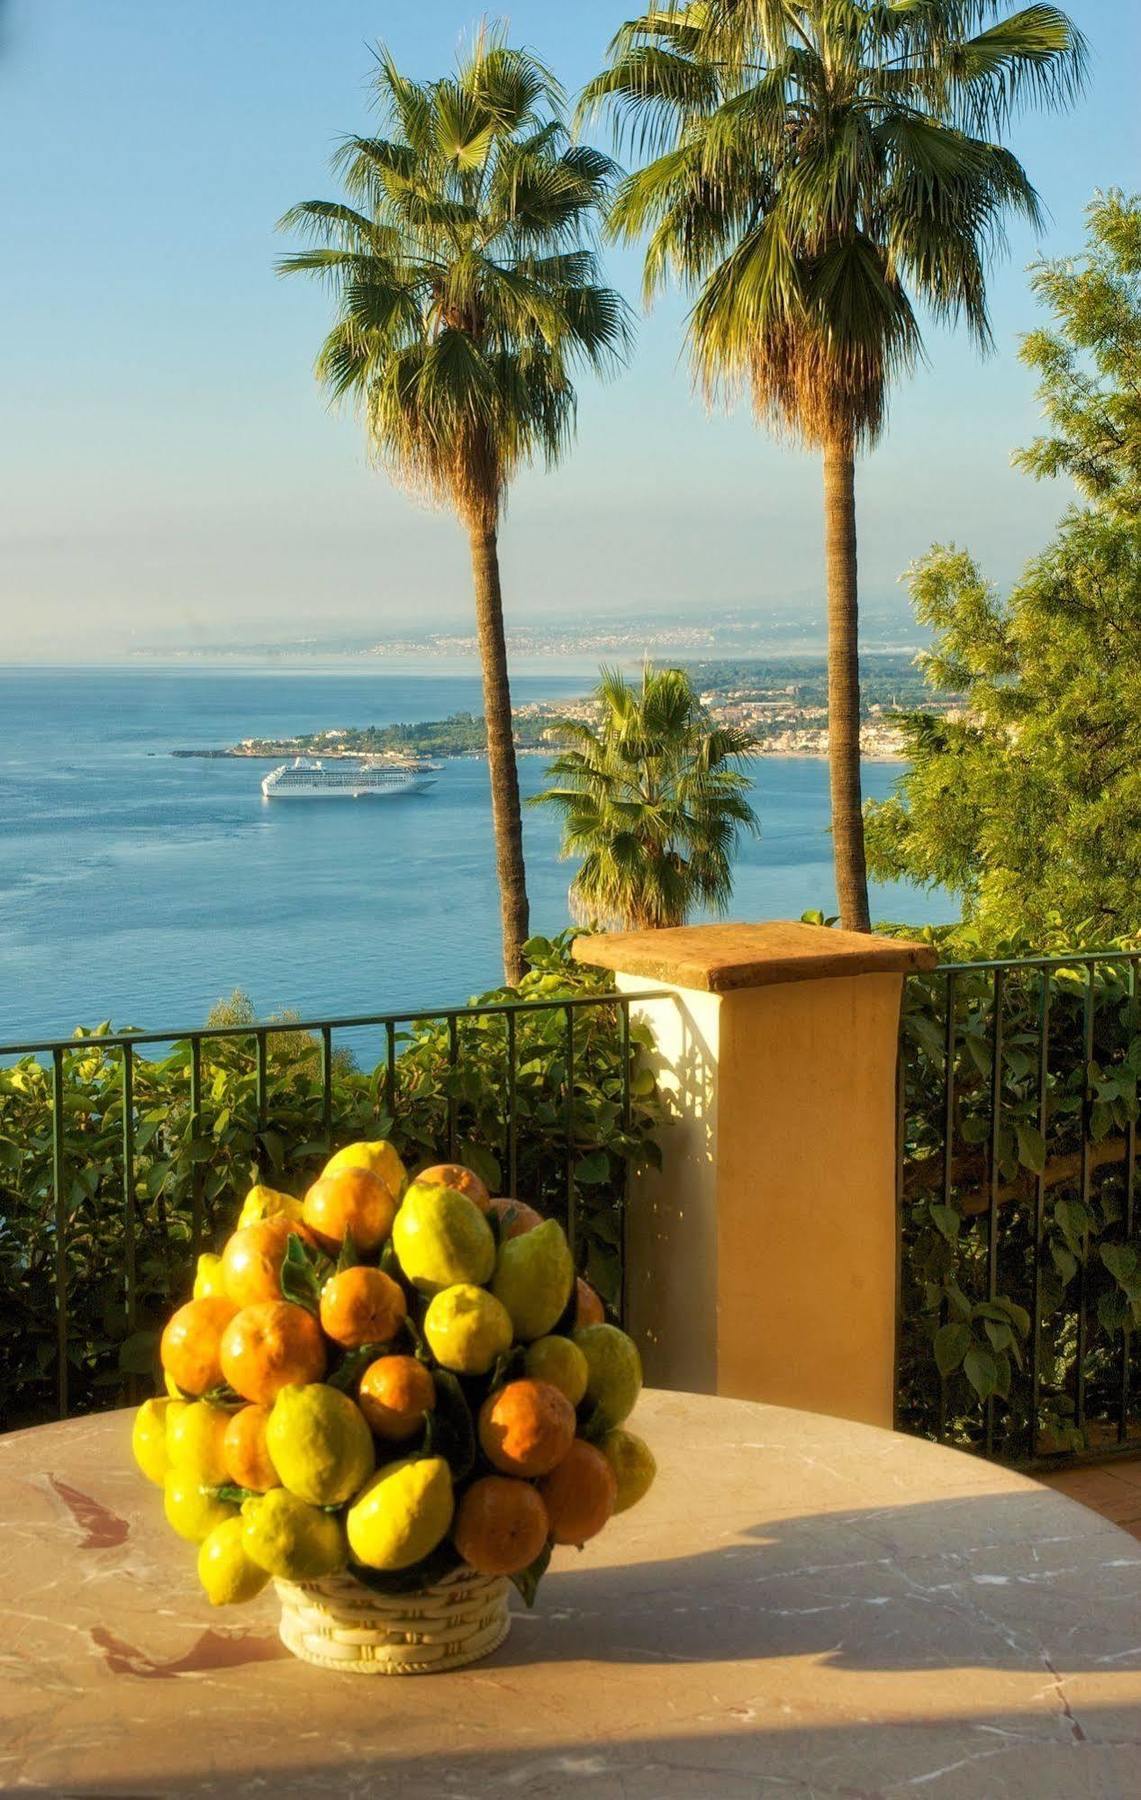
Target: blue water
[(140, 887)]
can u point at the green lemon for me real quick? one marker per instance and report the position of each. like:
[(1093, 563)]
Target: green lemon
[(441, 1238), (194, 1442), (557, 1360), (467, 1328), (224, 1569), (614, 1378), (148, 1438), (633, 1463), (402, 1514), (289, 1538), (534, 1276), (319, 1444), (189, 1511)]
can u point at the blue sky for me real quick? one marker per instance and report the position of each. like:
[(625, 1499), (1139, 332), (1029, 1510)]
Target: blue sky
[(171, 475)]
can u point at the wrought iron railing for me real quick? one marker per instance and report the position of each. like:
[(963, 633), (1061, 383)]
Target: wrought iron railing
[(1020, 1301), (124, 1155)]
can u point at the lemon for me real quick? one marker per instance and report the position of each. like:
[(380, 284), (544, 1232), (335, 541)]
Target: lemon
[(266, 1203), (614, 1371), (379, 1158), (194, 1442), (189, 1511), (289, 1538), (319, 1444), (633, 1463), (441, 1238), (224, 1569), (557, 1360), (467, 1328), (148, 1438), (402, 1514), (534, 1276), (208, 1277)]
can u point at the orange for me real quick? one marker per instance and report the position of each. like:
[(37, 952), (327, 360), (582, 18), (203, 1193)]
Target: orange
[(515, 1217), (588, 1307), (394, 1394), (270, 1346), (362, 1306), (248, 1462), (355, 1200), (501, 1525), (526, 1427), (579, 1495), (191, 1343), (252, 1259), (455, 1176)]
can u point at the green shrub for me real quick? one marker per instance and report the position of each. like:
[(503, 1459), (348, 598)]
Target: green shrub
[(445, 1084)]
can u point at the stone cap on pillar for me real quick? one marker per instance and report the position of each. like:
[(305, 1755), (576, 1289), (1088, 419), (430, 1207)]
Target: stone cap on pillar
[(716, 959)]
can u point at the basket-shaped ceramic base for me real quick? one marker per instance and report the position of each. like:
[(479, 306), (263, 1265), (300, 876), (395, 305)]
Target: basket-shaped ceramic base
[(339, 1623)]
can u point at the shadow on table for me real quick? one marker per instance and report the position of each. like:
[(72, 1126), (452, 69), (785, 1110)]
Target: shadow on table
[(993, 1581), (1018, 1755)]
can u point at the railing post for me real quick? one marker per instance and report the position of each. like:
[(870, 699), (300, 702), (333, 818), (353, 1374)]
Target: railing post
[(763, 1257)]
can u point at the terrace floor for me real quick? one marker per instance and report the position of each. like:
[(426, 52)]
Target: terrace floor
[(1111, 1489)]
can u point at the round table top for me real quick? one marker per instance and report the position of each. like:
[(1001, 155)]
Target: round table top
[(801, 1607)]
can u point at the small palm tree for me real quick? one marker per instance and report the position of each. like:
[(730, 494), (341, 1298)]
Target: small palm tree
[(817, 169), (467, 296), (653, 799)]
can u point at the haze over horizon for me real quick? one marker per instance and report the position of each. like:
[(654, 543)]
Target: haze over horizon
[(173, 478)]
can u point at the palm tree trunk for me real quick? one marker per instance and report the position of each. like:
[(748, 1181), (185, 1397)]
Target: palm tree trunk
[(505, 811), (844, 684)]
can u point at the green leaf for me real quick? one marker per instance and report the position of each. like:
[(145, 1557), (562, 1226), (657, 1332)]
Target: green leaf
[(526, 1582), (299, 1279), (1001, 1337), (353, 1365), (951, 1345), (981, 1370), (594, 1169), (453, 1428), (1031, 1147), (349, 1257), (946, 1220), (138, 1353)]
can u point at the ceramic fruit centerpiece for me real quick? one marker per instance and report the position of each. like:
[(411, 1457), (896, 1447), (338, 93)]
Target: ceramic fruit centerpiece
[(393, 1399)]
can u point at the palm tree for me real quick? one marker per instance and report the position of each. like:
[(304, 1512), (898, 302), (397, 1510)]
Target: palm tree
[(654, 801), (819, 170), (467, 295)]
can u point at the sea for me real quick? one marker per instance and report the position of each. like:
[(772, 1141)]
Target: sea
[(140, 888)]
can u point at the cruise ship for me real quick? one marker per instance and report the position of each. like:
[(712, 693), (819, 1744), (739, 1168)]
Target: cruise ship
[(307, 779)]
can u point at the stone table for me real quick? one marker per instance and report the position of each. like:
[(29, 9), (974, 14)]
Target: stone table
[(802, 1607)]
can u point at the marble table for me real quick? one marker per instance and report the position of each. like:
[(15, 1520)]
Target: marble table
[(803, 1607)]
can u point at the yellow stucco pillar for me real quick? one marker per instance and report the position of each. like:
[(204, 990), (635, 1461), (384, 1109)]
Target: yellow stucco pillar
[(762, 1257)]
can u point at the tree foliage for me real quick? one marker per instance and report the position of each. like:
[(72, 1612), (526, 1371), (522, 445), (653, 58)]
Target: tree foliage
[(654, 801), (1028, 802)]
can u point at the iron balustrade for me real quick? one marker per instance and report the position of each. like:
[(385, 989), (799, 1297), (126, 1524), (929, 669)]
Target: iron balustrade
[(1020, 1260), (562, 1071)]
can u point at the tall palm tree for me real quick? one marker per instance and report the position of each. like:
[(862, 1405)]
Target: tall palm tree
[(653, 799), (819, 170), (467, 295)]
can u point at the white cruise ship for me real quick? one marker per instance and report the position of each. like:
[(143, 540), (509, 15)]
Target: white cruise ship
[(307, 779)]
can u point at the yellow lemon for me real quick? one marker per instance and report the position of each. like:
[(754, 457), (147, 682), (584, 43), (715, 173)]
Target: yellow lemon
[(614, 1378), (557, 1360), (402, 1514), (194, 1442), (174, 1392), (441, 1239), (633, 1463), (266, 1203), (289, 1538), (148, 1439), (189, 1511), (319, 1444), (379, 1158), (224, 1569), (534, 1276), (208, 1277), (467, 1328)]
